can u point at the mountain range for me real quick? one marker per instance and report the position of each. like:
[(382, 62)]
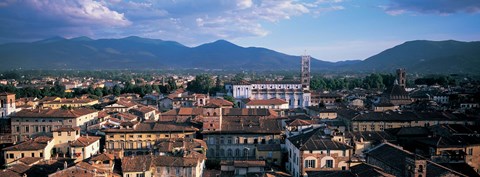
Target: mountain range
[(143, 53)]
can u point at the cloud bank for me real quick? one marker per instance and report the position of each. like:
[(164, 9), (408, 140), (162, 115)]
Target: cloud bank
[(443, 7), (187, 21)]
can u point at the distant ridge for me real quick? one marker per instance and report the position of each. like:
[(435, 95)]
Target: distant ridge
[(424, 56), (142, 53)]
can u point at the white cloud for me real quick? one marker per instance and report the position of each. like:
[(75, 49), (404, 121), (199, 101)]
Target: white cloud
[(80, 12), (442, 7), (186, 21)]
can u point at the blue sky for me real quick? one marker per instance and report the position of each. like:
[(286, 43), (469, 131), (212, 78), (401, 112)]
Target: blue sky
[(330, 30)]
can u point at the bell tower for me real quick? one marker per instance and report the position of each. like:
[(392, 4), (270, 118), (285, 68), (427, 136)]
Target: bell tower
[(306, 72), (401, 77)]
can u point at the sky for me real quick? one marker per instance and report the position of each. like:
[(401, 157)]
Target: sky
[(331, 30)]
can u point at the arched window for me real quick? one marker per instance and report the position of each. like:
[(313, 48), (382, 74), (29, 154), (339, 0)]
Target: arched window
[(208, 113), (237, 152), (229, 153), (245, 152), (212, 152), (214, 113), (222, 152)]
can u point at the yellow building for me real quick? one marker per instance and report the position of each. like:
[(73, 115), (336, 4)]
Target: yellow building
[(69, 102), (7, 104), (38, 147), (271, 153), (141, 137), (29, 122)]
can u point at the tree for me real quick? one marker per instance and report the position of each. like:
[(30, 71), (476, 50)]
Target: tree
[(117, 90), (201, 84), (98, 92)]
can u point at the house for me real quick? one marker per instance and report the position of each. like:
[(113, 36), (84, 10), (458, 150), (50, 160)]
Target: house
[(138, 166), (26, 123), (399, 162), (270, 153), (220, 102), (360, 170), (122, 105), (38, 147), (140, 138), (314, 150), (57, 103), (145, 113), (242, 168), (234, 133), (7, 104), (84, 169), (273, 103)]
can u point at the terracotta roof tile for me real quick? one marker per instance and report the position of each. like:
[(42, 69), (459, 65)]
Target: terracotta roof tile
[(53, 113), (220, 102), (273, 101), (84, 141), (139, 163)]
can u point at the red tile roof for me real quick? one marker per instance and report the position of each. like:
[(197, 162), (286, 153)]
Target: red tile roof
[(273, 101), (35, 144), (84, 141), (220, 102), (53, 113)]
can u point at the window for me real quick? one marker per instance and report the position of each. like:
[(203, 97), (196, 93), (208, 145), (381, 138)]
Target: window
[(470, 151), (149, 136), (310, 163), (11, 156), (140, 175), (237, 152), (344, 153), (130, 136), (27, 129), (329, 164), (229, 152), (111, 136), (122, 136), (33, 154), (69, 133), (41, 154), (328, 152), (245, 141), (139, 136)]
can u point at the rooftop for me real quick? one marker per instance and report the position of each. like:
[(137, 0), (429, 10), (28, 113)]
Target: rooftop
[(53, 113)]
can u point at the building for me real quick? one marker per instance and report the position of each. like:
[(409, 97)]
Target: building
[(305, 72), (292, 92), (189, 164), (379, 121), (121, 106), (38, 147), (7, 104), (296, 93), (242, 168), (26, 123), (270, 153), (145, 113), (399, 162), (273, 103), (140, 138), (234, 133), (84, 169), (314, 150), (57, 103)]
